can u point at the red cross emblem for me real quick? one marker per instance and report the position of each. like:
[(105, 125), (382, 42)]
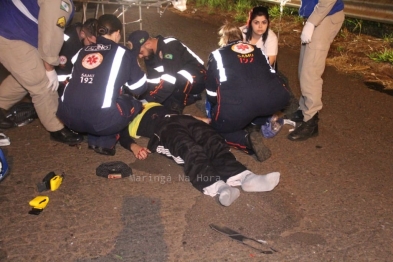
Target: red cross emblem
[(242, 48), (91, 61)]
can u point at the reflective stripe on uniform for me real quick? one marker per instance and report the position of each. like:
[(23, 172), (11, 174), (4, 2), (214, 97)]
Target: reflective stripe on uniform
[(220, 66), (73, 59), (153, 80), (138, 84), (169, 78), (62, 78), (170, 39), (112, 77), (187, 75), (193, 54), (159, 69), (211, 93)]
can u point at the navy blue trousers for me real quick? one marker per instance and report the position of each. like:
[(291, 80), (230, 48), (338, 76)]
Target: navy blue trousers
[(102, 126)]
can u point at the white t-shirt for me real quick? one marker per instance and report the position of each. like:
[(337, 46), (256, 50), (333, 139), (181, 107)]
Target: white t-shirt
[(270, 48)]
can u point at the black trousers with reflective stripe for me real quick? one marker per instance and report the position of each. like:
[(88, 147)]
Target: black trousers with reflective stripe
[(207, 158)]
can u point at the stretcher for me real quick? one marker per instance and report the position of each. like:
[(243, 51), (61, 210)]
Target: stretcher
[(125, 5)]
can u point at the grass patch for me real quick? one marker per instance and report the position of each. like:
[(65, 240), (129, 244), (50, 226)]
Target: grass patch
[(354, 25), (388, 38), (244, 6), (275, 12), (242, 9), (340, 49), (370, 28), (225, 5), (383, 56)]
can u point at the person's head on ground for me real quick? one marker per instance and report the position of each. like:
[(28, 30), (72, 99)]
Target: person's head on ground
[(258, 23), (88, 32), (109, 26), (229, 33), (139, 41)]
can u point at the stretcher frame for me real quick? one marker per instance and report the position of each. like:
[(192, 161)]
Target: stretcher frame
[(123, 7)]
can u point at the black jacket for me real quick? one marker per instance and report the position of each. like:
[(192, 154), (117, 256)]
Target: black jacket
[(100, 71), (72, 44), (169, 68), (241, 85)]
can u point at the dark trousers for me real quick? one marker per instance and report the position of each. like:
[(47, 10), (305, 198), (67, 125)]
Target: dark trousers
[(238, 139), (102, 126), (206, 156), (234, 113)]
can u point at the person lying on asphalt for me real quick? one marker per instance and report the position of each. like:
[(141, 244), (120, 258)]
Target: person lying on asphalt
[(193, 143)]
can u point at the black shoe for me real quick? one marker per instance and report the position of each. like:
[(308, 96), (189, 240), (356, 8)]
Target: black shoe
[(22, 113), (104, 151), (66, 136), (261, 151), (296, 116), (305, 130), (5, 122)]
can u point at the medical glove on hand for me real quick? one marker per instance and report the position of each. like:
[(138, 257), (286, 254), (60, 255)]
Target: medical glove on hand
[(53, 81), (307, 32)]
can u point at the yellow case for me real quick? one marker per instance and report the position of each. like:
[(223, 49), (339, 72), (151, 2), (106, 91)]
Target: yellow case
[(55, 182), (39, 202)]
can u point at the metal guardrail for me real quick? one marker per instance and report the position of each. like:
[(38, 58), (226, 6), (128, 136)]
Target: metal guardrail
[(380, 11)]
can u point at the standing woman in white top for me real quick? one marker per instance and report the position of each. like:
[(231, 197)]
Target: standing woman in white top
[(257, 32)]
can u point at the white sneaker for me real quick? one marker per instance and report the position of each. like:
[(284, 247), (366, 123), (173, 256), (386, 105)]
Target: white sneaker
[(4, 140)]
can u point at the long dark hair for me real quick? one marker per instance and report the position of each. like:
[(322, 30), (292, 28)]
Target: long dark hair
[(108, 24), (257, 11)]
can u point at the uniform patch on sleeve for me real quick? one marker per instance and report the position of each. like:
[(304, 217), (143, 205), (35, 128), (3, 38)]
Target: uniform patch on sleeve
[(65, 6), (61, 22), (168, 56), (91, 61), (242, 48)]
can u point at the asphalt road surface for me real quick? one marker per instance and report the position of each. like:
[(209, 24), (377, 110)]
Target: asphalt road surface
[(333, 202)]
